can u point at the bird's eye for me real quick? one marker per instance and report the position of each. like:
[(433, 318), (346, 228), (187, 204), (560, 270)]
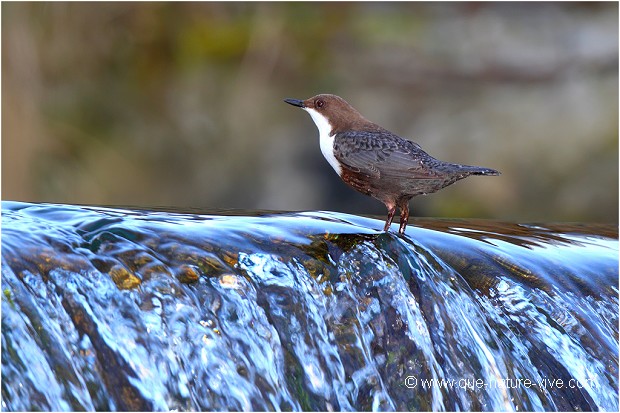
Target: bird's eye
[(319, 103)]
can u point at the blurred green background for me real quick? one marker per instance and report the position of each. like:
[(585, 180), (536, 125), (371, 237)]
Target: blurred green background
[(180, 104)]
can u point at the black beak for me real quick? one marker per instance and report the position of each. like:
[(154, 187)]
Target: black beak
[(295, 102)]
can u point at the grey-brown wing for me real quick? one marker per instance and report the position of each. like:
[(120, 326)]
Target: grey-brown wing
[(384, 156)]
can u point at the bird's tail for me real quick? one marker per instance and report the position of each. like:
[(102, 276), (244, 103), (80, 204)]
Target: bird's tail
[(466, 170), (477, 170)]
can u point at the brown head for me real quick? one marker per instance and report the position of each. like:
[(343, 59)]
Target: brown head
[(333, 114)]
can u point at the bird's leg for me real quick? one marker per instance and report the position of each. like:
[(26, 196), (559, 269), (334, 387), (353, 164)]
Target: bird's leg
[(391, 211), (404, 215)]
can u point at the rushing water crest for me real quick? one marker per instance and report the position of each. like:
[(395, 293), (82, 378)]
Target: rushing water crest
[(118, 309)]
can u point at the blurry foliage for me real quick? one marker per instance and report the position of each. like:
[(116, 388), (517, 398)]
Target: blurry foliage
[(180, 104)]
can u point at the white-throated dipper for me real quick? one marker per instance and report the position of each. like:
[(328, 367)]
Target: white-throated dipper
[(376, 162)]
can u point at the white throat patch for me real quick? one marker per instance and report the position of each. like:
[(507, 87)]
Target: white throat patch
[(327, 141)]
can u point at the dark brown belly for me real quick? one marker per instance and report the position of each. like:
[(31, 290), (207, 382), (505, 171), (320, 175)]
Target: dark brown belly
[(385, 188)]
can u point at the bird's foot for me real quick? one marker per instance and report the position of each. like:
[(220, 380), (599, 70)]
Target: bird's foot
[(390, 217), (401, 229), (404, 217)]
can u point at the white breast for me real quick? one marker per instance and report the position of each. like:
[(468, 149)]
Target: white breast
[(327, 141)]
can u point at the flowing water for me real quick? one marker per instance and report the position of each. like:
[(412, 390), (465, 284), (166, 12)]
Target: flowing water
[(118, 309)]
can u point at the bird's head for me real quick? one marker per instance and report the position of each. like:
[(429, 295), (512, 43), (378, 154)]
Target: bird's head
[(331, 113)]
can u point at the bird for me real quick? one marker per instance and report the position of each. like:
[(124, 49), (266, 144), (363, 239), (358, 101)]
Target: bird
[(377, 162)]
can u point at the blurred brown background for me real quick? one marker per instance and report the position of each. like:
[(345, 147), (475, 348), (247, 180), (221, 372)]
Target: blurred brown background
[(180, 104)]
